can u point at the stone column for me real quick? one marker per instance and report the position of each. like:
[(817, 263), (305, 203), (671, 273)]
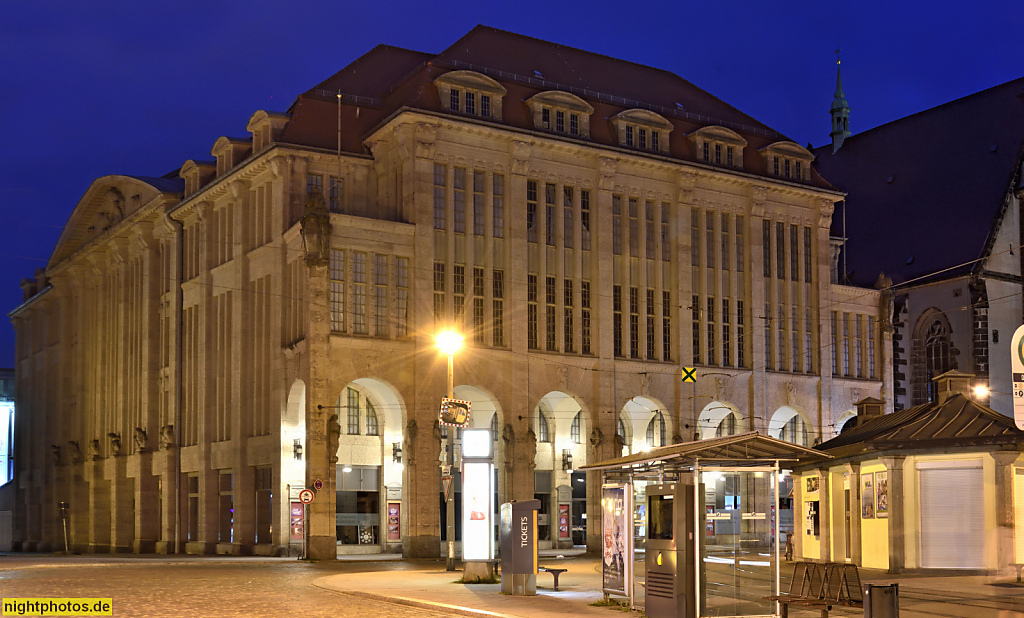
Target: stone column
[(320, 459), (856, 553), (798, 515), (825, 513), (897, 532), (1005, 519)]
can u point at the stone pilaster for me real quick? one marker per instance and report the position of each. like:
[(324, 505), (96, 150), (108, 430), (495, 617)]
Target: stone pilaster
[(825, 513), (897, 529), (856, 549), (1005, 516)]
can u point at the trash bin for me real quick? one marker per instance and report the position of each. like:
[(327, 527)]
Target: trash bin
[(881, 601)]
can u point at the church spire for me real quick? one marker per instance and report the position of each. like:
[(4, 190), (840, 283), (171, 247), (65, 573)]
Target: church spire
[(840, 111)]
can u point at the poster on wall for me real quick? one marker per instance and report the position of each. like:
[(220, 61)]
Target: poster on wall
[(394, 521), (296, 524), (881, 494), (616, 529), (867, 497), (563, 521), (811, 518), (812, 484)]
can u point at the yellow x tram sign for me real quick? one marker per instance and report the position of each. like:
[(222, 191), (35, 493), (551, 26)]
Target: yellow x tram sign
[(689, 374)]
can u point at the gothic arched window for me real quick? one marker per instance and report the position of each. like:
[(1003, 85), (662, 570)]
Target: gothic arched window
[(936, 355)]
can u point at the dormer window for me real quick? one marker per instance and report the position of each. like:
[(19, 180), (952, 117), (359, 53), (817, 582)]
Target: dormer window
[(642, 129), (470, 93), (788, 160), (561, 112), (718, 146)]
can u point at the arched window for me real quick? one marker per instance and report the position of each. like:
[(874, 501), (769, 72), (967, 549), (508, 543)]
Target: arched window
[(795, 431), (371, 420), (932, 355), (542, 428), (620, 431), (727, 427), (656, 430), (353, 412), (936, 355), (574, 430)]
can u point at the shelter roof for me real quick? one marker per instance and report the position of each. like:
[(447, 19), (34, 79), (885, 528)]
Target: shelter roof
[(942, 173), (749, 448)]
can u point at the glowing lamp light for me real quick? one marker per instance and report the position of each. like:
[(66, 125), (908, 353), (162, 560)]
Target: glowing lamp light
[(981, 391), (449, 342)]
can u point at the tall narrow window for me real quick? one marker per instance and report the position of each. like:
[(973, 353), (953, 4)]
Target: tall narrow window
[(567, 325), (718, 153), (726, 334), (629, 136), (334, 203), (739, 243), (810, 351), (649, 237), (666, 326), (794, 334), (585, 220), (641, 141), (780, 250), (439, 304), (574, 124), (858, 345), (459, 205), (807, 255), (568, 229), (709, 244), (545, 117), (835, 343), (726, 254), (478, 203), (769, 357), (617, 224), (498, 206), (485, 105), (634, 228), (711, 331), (871, 346), (454, 100), (741, 343), (706, 151), (729, 156), (695, 317), (666, 243), (478, 305), (655, 141), (531, 312), (560, 121), (634, 322), (359, 325), (652, 346), (845, 317), (543, 431), (470, 102), (380, 295), (574, 429), (352, 408), (440, 177), (549, 214), (794, 253), (694, 237), (459, 295), (401, 297), (585, 317), (337, 290), (498, 308), (781, 330), (372, 427), (766, 247), (314, 183), (617, 320), (549, 297), (531, 211)]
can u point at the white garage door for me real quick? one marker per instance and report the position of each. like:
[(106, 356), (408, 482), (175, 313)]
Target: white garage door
[(952, 518)]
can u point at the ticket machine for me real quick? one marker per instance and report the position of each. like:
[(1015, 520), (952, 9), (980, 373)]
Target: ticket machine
[(671, 550)]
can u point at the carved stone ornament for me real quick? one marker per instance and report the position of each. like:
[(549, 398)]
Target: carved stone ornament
[(563, 381), (333, 437), (141, 440), (167, 436), (115, 443), (520, 157), (74, 453), (790, 393), (316, 229), (596, 437), (94, 449), (825, 218), (55, 453), (110, 212)]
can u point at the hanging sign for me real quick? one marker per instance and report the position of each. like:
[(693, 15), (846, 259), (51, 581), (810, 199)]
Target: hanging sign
[(1017, 370)]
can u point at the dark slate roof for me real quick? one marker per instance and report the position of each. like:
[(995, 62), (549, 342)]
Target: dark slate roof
[(164, 185), (386, 79), (925, 191), (957, 422)]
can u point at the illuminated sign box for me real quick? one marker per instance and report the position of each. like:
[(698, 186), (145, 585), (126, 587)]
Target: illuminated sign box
[(476, 443)]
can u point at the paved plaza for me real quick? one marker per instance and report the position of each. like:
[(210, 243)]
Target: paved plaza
[(223, 586)]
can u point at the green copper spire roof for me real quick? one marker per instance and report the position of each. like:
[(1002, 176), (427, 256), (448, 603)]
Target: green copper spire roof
[(839, 101)]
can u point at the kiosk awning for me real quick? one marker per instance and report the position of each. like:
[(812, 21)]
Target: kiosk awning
[(749, 448)]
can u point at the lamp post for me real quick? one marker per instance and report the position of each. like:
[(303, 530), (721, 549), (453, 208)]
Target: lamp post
[(449, 342)]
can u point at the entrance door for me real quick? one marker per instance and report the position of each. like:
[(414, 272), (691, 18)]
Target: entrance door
[(952, 518)]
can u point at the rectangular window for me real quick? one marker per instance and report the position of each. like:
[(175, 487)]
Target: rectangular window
[(652, 347), (694, 237), (585, 220), (641, 141), (439, 304), (780, 250), (401, 297), (617, 224), (655, 141), (549, 297), (794, 253), (649, 237), (666, 243), (337, 269), (711, 331), (359, 325), (807, 255), (718, 153), (872, 346), (470, 102), (769, 357), (739, 243), (634, 228), (794, 334), (531, 211), (726, 255), (549, 214), (695, 317), (781, 330), (560, 121), (835, 343), (785, 168), (666, 326), (775, 166), (585, 317), (314, 182), (454, 100), (380, 295), (574, 124), (545, 117), (709, 243), (810, 351), (567, 325), (629, 135), (799, 175), (459, 206), (858, 345), (741, 344), (729, 156), (226, 514), (498, 308), (634, 322), (352, 409), (766, 247), (263, 478), (440, 178), (478, 203), (334, 203), (617, 319), (531, 313), (726, 334), (485, 105), (568, 229), (459, 295), (498, 206), (478, 305), (845, 317), (706, 152)]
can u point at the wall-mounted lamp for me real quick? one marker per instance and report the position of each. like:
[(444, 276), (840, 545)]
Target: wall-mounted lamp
[(396, 452), (567, 460), (297, 448)]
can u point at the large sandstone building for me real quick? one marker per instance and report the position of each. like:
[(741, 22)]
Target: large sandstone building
[(204, 344)]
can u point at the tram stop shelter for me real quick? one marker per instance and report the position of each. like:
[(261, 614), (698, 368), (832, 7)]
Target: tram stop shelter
[(699, 521)]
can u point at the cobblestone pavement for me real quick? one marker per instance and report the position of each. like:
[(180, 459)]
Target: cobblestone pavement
[(201, 587)]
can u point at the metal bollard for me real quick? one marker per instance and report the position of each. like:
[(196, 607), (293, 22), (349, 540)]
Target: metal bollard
[(881, 601)]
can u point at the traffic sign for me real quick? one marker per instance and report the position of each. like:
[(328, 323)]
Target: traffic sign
[(318, 484), (1017, 373), (306, 496), (689, 374), (446, 486)]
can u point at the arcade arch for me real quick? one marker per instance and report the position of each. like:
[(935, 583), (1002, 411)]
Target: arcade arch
[(791, 425), (560, 424), (637, 416), (719, 419)]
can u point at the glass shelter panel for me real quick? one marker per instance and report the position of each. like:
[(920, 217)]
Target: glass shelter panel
[(738, 546)]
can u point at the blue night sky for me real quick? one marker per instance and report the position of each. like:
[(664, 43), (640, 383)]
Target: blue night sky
[(114, 87)]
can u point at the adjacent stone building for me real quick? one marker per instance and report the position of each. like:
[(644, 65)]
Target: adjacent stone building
[(204, 344)]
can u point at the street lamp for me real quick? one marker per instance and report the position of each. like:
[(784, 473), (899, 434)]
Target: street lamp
[(449, 342)]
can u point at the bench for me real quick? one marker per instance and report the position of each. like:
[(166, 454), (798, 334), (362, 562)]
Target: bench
[(554, 573), (815, 584)]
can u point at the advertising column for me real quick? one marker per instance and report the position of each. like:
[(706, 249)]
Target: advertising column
[(477, 504), (617, 529)]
